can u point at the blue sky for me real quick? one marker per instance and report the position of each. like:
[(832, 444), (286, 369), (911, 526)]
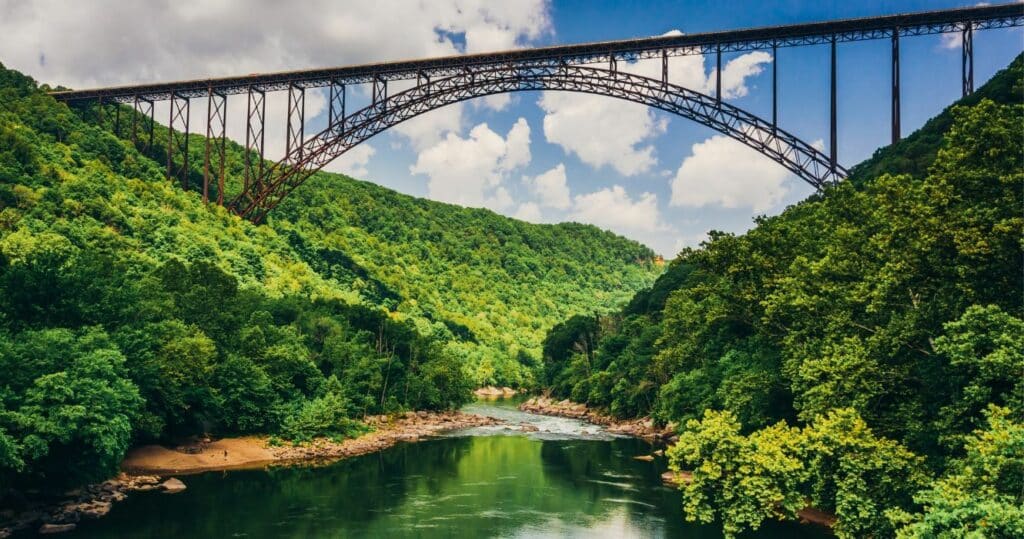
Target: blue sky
[(547, 157)]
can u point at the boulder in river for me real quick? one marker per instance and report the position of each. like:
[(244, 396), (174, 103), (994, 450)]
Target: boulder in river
[(47, 529), (172, 486)]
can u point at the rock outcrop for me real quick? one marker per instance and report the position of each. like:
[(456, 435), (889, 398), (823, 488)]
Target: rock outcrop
[(388, 431), (88, 502), (172, 486), (494, 392), (641, 428)]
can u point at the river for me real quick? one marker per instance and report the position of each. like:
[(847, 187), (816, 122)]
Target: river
[(567, 479)]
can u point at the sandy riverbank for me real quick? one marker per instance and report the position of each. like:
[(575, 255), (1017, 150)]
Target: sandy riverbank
[(257, 452), (145, 467)]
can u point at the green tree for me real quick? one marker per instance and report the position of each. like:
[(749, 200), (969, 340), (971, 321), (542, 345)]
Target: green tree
[(982, 494)]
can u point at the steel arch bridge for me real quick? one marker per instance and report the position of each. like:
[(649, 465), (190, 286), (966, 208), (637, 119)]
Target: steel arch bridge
[(443, 81), (276, 182)]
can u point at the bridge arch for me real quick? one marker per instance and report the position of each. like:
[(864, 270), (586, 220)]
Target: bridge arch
[(277, 181)]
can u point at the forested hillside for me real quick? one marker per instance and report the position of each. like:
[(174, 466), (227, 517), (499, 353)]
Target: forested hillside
[(862, 352), (130, 311), (497, 284)]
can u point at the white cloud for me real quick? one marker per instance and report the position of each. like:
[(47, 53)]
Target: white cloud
[(951, 40), (689, 240), (551, 188), (689, 71), (604, 131), (724, 172), (353, 162), (601, 130), (428, 129), (614, 209), (528, 211), (470, 171), (738, 70), (220, 38), (231, 37)]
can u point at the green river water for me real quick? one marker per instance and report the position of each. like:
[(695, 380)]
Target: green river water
[(569, 479)]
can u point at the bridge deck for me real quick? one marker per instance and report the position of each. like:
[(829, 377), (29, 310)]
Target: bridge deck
[(921, 23)]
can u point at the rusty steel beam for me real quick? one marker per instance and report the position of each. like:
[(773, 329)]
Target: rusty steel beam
[(143, 108), (216, 137), (256, 113), (833, 119), (336, 105), (296, 119), (177, 140), (967, 59), (895, 78)]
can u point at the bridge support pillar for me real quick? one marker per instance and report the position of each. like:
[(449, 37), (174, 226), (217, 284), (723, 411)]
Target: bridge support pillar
[(256, 113), (775, 88), (117, 119), (336, 107), (144, 108), (296, 122), (895, 114), (380, 92), (718, 74), (216, 134), (664, 69), (967, 59), (177, 140), (833, 127)]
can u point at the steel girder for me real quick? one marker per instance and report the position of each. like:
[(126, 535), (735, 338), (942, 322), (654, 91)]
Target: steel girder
[(216, 137), (144, 111), (177, 139), (279, 179), (255, 116)]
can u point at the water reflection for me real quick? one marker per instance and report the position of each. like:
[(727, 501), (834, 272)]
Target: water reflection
[(562, 481)]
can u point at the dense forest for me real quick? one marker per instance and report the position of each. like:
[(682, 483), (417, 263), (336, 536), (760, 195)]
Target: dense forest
[(862, 352), (130, 311)]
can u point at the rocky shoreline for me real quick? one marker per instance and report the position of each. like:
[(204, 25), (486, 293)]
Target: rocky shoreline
[(492, 392), (88, 502), (147, 468), (389, 430), (643, 427)]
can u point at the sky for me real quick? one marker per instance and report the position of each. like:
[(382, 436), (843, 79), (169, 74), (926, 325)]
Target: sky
[(541, 156)]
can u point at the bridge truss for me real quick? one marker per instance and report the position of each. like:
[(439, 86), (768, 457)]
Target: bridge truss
[(442, 81)]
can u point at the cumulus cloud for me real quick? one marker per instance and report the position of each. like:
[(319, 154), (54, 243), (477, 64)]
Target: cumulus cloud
[(470, 171), (724, 172), (428, 129), (689, 240), (354, 162), (146, 41), (137, 42), (614, 209), (951, 40), (528, 211), (603, 131), (551, 188)]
